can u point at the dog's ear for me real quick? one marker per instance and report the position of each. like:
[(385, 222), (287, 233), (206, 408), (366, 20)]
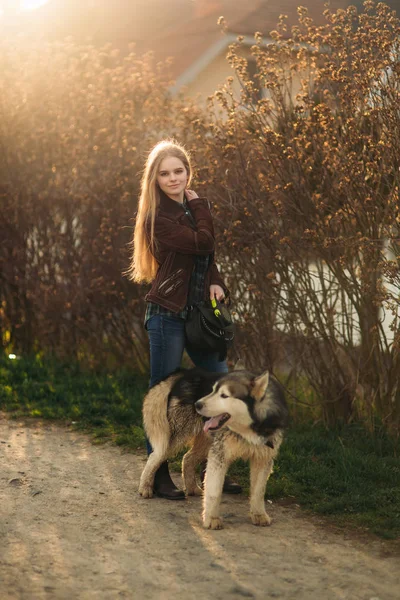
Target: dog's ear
[(239, 366), (259, 386)]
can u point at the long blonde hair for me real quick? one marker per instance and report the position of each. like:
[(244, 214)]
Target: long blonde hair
[(143, 267)]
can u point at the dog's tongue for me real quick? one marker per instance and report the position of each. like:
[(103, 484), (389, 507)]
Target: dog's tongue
[(213, 422)]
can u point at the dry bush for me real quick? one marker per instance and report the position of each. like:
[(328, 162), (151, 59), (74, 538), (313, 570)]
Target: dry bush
[(307, 193), (75, 126)]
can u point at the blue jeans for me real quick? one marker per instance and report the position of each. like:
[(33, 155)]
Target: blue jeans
[(167, 343)]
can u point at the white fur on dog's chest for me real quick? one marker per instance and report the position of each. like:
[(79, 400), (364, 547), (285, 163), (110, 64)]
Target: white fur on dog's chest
[(235, 445)]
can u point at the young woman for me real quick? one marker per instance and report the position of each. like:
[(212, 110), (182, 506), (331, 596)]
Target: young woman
[(174, 251)]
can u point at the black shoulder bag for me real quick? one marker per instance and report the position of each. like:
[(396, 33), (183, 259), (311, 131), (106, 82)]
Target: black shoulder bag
[(209, 327)]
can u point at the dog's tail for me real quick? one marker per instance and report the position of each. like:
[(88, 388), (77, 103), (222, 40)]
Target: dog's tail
[(155, 415)]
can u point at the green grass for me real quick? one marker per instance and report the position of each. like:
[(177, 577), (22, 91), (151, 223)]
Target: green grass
[(346, 474), (107, 404)]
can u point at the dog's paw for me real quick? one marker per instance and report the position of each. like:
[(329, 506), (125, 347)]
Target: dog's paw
[(213, 523), (194, 491), (261, 519), (146, 491)]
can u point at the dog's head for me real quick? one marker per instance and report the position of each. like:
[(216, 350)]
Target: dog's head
[(241, 400)]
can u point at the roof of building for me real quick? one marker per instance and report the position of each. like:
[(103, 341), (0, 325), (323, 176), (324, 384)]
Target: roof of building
[(265, 17)]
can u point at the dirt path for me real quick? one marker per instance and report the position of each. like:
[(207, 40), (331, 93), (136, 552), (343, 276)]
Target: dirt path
[(73, 527)]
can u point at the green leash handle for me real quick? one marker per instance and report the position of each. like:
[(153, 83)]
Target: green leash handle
[(217, 312)]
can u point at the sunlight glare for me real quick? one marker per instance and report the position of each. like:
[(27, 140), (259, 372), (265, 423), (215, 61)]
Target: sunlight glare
[(31, 4), (28, 5)]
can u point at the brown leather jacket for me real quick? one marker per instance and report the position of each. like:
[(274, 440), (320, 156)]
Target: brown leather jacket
[(177, 243)]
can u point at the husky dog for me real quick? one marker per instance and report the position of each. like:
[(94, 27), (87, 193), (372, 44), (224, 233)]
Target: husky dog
[(221, 417)]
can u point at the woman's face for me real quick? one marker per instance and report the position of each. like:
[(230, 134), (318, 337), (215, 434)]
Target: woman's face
[(172, 178)]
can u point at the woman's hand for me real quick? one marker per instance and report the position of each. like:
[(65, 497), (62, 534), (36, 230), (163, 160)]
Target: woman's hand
[(217, 292), (191, 195)]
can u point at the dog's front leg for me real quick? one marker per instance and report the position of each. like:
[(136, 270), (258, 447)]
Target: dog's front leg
[(196, 455), (217, 467), (260, 470)]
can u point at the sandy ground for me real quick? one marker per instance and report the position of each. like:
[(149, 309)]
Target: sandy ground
[(73, 527)]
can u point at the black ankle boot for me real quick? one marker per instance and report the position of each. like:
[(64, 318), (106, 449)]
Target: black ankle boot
[(229, 487), (164, 487)]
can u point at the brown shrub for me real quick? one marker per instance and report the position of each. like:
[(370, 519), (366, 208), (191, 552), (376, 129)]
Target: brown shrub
[(76, 125), (307, 192)]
